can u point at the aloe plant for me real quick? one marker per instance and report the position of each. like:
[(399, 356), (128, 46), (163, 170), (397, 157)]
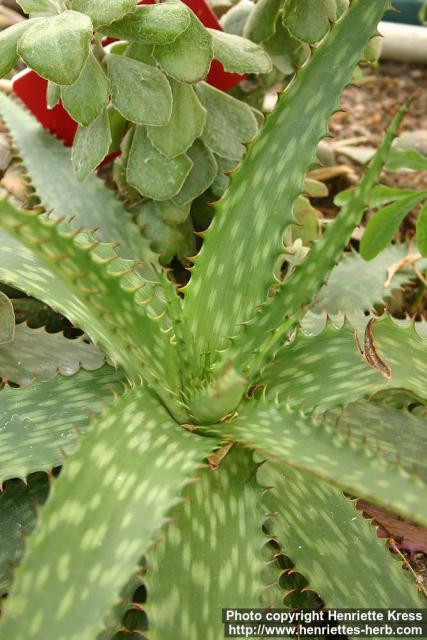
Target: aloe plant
[(201, 437)]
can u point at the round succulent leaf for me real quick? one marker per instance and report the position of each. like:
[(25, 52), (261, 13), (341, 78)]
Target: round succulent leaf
[(140, 52), (102, 12), (169, 240), (234, 20), (201, 176), (118, 125), (120, 168), (152, 24), (151, 173), (42, 8), (310, 22), (53, 94), (90, 146), (229, 122), (86, 98), (173, 213), (189, 57), (185, 125), (140, 92), (237, 54), (285, 51), (422, 231), (222, 179), (7, 319), (262, 22), (57, 47), (9, 39)]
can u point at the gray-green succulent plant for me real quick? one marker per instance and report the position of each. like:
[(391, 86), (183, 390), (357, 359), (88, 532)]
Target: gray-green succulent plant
[(202, 437)]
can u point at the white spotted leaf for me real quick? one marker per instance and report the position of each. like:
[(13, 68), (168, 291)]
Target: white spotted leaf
[(309, 444), (318, 537), (42, 422), (222, 513), (135, 475), (265, 195), (89, 204)]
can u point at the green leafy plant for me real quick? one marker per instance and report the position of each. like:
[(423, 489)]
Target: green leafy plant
[(146, 94), (225, 425)]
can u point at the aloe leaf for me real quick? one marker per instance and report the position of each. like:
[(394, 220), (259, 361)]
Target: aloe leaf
[(41, 8), (221, 513), (398, 433), (86, 98), (201, 176), (318, 537), (368, 281), (261, 24), (77, 538), (140, 92), (279, 313), (152, 24), (9, 39), (310, 23), (327, 370), (7, 321), (266, 195), (185, 125), (101, 12), (422, 231), (239, 54), (382, 226), (229, 122), (58, 47), (90, 204), (151, 173), (189, 57), (406, 159), (105, 296), (42, 422), (310, 445), (35, 354), (19, 502), (90, 146)]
